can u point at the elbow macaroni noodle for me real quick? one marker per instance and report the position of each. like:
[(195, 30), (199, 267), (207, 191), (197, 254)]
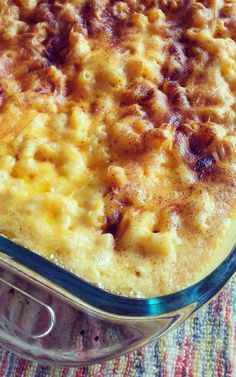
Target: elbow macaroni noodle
[(117, 132)]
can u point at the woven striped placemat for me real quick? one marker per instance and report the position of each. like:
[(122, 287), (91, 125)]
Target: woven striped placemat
[(204, 346)]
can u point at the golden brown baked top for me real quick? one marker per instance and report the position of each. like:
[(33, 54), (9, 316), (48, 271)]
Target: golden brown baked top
[(117, 132)]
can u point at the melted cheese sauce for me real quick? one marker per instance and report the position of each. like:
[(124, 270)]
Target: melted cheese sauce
[(117, 132)]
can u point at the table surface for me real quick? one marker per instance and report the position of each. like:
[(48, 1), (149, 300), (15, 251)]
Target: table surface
[(204, 346)]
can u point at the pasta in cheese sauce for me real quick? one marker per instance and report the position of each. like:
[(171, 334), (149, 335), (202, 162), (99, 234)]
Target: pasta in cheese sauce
[(117, 132)]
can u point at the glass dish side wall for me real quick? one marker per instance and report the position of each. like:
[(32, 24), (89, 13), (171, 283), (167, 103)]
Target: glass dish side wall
[(75, 337), (96, 325)]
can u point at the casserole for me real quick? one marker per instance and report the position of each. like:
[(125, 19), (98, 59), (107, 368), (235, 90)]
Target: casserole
[(117, 161)]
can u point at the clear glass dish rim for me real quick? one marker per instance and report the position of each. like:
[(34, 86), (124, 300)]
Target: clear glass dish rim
[(198, 293)]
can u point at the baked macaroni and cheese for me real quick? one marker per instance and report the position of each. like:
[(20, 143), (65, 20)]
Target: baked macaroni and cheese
[(118, 140)]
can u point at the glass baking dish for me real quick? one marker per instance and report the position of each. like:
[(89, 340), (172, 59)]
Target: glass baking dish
[(54, 317)]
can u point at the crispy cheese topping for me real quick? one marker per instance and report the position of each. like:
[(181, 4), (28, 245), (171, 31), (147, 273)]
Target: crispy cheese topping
[(118, 141)]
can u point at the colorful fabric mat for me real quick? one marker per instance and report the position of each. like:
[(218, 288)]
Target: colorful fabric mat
[(204, 346)]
